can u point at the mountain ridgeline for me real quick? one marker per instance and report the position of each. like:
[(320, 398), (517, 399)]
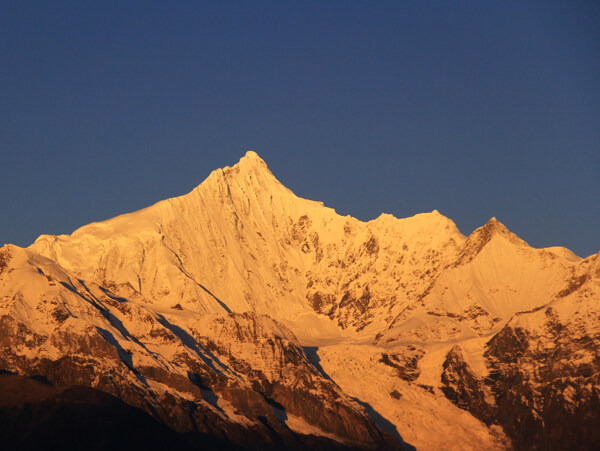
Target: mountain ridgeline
[(240, 315)]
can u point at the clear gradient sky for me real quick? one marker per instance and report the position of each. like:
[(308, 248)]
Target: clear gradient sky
[(477, 109)]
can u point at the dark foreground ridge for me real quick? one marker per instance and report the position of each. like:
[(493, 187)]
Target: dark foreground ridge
[(37, 415)]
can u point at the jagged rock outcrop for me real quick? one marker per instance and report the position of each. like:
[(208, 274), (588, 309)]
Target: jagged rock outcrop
[(463, 387)]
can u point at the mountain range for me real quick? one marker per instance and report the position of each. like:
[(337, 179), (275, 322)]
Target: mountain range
[(240, 315)]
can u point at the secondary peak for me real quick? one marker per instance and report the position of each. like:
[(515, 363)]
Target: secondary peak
[(493, 227), (494, 224)]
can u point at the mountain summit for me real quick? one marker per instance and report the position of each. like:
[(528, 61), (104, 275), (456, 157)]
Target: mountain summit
[(243, 240), (252, 159), (241, 310)]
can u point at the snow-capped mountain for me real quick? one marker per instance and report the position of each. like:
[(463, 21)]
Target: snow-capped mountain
[(244, 312)]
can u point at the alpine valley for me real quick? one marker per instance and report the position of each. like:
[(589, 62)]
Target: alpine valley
[(240, 316)]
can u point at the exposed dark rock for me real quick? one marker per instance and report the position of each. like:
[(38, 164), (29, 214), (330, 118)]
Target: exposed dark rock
[(300, 228), (542, 397), (372, 246), (464, 388), (429, 388), (405, 362), (509, 344), (60, 315), (395, 394), (320, 301), (4, 259), (573, 285), (545, 399)]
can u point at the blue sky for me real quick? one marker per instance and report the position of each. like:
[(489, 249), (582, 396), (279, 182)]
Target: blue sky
[(477, 109)]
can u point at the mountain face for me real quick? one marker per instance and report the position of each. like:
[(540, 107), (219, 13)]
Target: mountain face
[(243, 313)]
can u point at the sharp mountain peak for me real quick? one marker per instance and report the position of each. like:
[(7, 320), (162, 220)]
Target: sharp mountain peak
[(252, 157), (481, 237), (249, 163), (493, 226)]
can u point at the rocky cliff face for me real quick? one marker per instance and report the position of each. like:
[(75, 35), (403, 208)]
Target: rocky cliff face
[(239, 377), (196, 310), (543, 386)]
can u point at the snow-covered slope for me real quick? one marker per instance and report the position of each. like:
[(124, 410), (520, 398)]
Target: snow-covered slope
[(241, 241), (242, 377), (403, 302)]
